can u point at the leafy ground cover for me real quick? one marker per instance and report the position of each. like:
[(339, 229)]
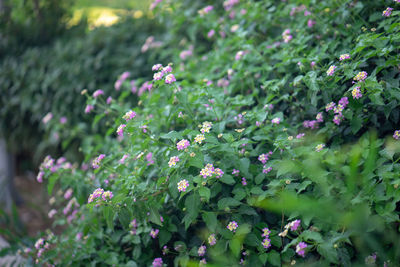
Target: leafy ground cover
[(270, 139)]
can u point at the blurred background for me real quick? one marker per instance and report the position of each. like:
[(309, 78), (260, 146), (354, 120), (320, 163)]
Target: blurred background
[(50, 51)]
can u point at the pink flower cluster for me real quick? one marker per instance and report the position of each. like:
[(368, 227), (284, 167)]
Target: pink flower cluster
[(239, 119), (150, 43), (183, 144), (121, 79), (343, 102), (98, 93), (50, 164), (387, 12), (240, 54), (157, 262), (129, 115), (122, 160), (287, 36), (266, 169), (99, 194), (154, 4), (89, 108), (120, 130), (361, 76), (212, 240), (146, 86), (229, 4), (276, 120), (299, 9), (41, 245), (96, 162), (201, 251), (300, 249), (182, 185), (293, 226), (356, 92), (331, 70), (314, 123), (173, 161), (264, 157), (232, 226), (186, 53), (344, 57), (209, 171), (396, 134), (205, 10), (266, 242), (154, 233), (162, 71), (133, 225)]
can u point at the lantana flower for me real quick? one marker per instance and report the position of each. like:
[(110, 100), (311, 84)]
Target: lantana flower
[(331, 70), (96, 162), (199, 138), (319, 147), (300, 249), (387, 12), (129, 115), (201, 251), (232, 226), (154, 233), (212, 240), (356, 92), (183, 144), (170, 78), (361, 76), (172, 161), (120, 130), (396, 134), (344, 57), (182, 185)]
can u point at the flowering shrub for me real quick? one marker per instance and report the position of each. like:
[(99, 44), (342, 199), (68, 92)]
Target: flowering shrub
[(186, 181)]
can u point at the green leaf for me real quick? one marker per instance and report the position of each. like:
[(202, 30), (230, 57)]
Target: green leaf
[(192, 205), (328, 252), (197, 161), (210, 218), (310, 235), (52, 181), (164, 237), (108, 213), (274, 258), (155, 215), (244, 164), (235, 245), (124, 217), (227, 179), (173, 135), (259, 178), (205, 193), (228, 202), (356, 124), (263, 258)]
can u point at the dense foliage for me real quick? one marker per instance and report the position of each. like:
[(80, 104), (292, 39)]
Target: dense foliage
[(48, 80), (274, 143)]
